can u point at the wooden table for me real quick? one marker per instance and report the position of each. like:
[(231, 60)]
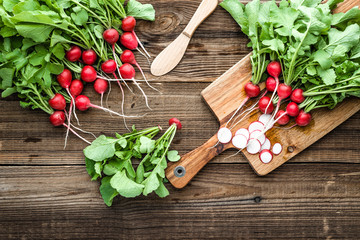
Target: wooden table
[(45, 192)]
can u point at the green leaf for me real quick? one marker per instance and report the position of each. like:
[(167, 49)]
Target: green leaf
[(58, 51), (38, 58), (355, 52), (129, 169), (348, 38), (147, 145), (37, 32), (98, 168), (107, 191), (6, 74), (161, 191), (140, 11), (80, 18), (275, 45), (28, 5), (323, 58), (90, 168), (173, 156), (333, 3), (236, 10), (122, 142), (7, 92), (7, 31), (98, 30), (140, 173), (341, 20), (47, 78), (55, 68), (307, 3), (125, 186), (328, 76), (57, 38), (27, 43), (100, 149), (283, 19), (151, 183), (9, 4)]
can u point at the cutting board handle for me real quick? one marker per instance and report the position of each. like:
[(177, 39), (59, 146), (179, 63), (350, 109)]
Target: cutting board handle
[(205, 8), (180, 173)]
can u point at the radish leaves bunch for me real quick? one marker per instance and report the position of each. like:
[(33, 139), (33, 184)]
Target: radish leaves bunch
[(111, 159)]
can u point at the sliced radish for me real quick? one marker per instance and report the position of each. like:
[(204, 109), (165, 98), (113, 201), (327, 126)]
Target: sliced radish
[(224, 135), (253, 146), (243, 131), (257, 134), (266, 145), (264, 118), (239, 141), (277, 148), (256, 126), (266, 156)]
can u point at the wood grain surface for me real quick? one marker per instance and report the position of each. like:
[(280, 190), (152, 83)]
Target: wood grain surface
[(45, 192)]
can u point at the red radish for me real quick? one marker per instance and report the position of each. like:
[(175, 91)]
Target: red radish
[(252, 90), (265, 118), (265, 105), (128, 24), (266, 145), (271, 84), (266, 156), (244, 132), (64, 78), (297, 96), (128, 57), (277, 148), (292, 109), (175, 121), (303, 119), (74, 54), (111, 36), (129, 41), (239, 141), (89, 57), (127, 71), (253, 146), (109, 66), (256, 126), (83, 103), (100, 87), (57, 118), (76, 87), (58, 102), (224, 135), (88, 74), (284, 119), (274, 69), (284, 91)]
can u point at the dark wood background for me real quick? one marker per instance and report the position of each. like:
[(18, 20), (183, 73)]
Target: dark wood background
[(45, 192)]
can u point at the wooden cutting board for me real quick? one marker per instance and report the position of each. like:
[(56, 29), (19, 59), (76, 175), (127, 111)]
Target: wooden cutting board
[(223, 97)]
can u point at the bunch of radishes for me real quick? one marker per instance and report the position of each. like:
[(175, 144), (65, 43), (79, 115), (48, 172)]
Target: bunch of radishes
[(121, 65), (253, 138)]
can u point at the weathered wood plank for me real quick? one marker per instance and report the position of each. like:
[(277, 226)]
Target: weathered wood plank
[(296, 200)]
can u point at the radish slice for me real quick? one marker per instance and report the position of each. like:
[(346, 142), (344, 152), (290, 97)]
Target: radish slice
[(277, 148), (265, 156), (266, 145), (256, 126), (253, 146), (224, 135), (243, 131), (259, 136), (239, 141), (264, 118)]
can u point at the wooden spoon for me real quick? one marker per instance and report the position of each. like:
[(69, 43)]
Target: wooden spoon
[(172, 54)]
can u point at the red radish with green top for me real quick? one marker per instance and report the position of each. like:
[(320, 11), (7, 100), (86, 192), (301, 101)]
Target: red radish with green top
[(175, 121), (58, 102), (274, 70), (265, 105), (109, 66), (283, 117), (88, 74), (303, 119), (292, 109), (73, 54), (271, 84), (297, 96)]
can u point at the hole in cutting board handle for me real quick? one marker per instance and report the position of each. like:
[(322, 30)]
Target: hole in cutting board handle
[(179, 171)]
